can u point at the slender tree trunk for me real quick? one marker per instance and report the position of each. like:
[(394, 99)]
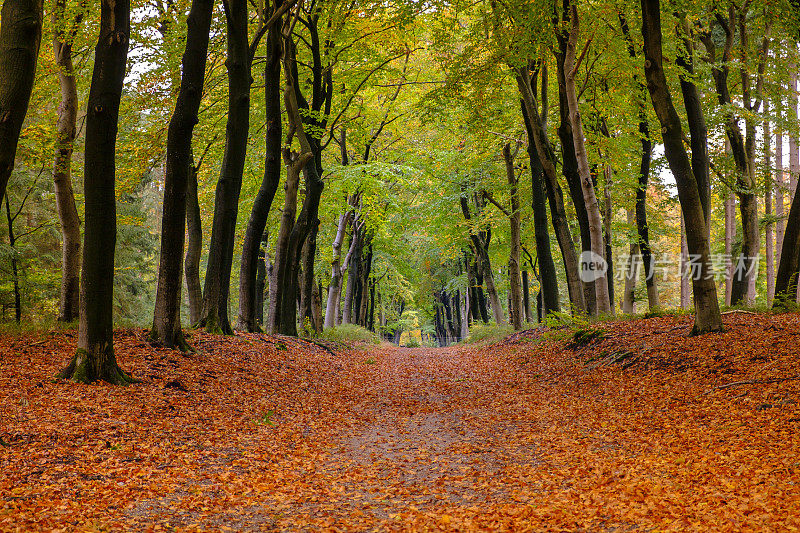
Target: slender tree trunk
[(769, 247), (95, 359), (707, 313), (631, 272), (514, 278), (307, 282), (62, 169), (353, 266), (226, 202), (730, 236), (269, 184), (167, 318), (780, 226), (603, 299), (335, 288), (194, 250), (608, 220), (261, 278), (794, 154), (786, 280), (20, 37), (526, 298)]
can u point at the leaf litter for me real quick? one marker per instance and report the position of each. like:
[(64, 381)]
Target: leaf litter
[(640, 428)]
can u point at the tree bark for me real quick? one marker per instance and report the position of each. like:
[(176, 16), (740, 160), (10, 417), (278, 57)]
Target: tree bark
[(631, 272), (335, 288), (95, 359), (780, 226), (769, 230), (526, 297), (707, 314), (166, 317), (20, 37), (194, 250), (226, 202), (62, 169), (516, 311), (269, 185), (603, 300), (12, 241), (307, 282), (547, 268), (685, 291), (786, 280), (555, 196)]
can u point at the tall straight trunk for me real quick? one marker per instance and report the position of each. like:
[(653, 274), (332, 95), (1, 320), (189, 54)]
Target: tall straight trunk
[(526, 296), (465, 306), (269, 183), (608, 219), (353, 265), (631, 272), (166, 317), (95, 359), (363, 285), (780, 224), (603, 299), (491, 289), (794, 153), (20, 37), (555, 196), (516, 311), (730, 236), (62, 168), (547, 268), (769, 247), (226, 202), (194, 250), (707, 313), (685, 291)]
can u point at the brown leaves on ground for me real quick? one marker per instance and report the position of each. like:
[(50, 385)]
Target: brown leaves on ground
[(642, 428)]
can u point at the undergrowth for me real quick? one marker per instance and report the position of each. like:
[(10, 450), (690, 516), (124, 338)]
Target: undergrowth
[(350, 333)]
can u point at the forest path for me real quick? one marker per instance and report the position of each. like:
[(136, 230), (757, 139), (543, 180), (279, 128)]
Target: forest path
[(430, 431)]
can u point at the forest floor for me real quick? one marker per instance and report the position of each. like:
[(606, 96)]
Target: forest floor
[(640, 429)]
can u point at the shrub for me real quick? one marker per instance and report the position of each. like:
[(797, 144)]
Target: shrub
[(412, 343), (488, 333), (350, 333)]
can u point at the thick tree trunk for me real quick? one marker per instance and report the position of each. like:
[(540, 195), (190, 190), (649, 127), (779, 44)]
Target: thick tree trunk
[(555, 196), (226, 202), (20, 37), (685, 290), (786, 280), (707, 313), (353, 265), (167, 318), (307, 282), (194, 250), (95, 359), (269, 184), (335, 288), (517, 312), (62, 169)]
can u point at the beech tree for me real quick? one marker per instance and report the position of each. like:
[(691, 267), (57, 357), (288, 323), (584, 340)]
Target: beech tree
[(95, 359)]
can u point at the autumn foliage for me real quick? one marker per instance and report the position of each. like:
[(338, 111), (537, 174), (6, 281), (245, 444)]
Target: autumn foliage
[(639, 427)]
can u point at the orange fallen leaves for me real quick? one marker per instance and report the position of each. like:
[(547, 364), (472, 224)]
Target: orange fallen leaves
[(526, 435)]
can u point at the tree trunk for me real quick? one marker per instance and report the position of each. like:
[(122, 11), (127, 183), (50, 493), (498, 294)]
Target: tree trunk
[(269, 184), (95, 359), (555, 196), (685, 291), (526, 297), (226, 202), (194, 250), (707, 314), (20, 37), (730, 235), (335, 288), (631, 272), (794, 154), (62, 169), (167, 318), (307, 282), (14, 266), (516, 311), (261, 278), (603, 300), (547, 268), (786, 280), (352, 266), (780, 226), (769, 247)]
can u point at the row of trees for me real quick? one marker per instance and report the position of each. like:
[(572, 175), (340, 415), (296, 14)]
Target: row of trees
[(428, 162)]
